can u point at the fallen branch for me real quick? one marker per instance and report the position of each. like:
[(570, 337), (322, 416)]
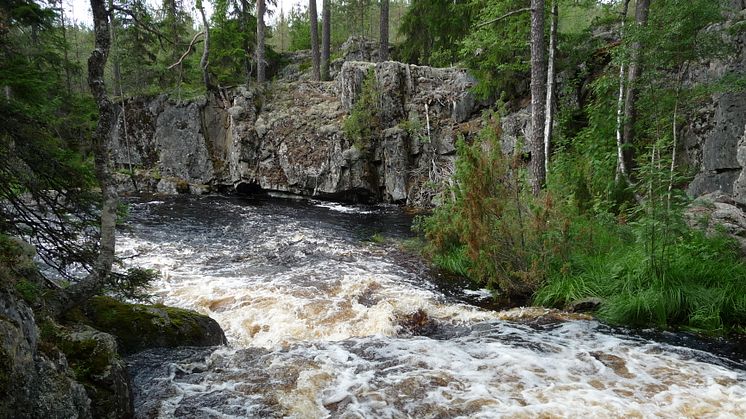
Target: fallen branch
[(189, 49), (506, 15)]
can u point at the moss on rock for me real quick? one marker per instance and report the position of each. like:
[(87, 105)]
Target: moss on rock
[(139, 327), (93, 357)]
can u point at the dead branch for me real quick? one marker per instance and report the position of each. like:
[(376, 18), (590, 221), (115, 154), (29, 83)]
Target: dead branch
[(189, 49), (506, 15)]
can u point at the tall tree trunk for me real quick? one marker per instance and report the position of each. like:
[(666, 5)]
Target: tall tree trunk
[(383, 54), (314, 19), (538, 96), (245, 43), (63, 25), (260, 65), (204, 62), (91, 284), (549, 108), (621, 166), (326, 33), (642, 7)]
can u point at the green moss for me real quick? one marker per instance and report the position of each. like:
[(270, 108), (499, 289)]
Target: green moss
[(363, 126), (139, 326), (29, 291)]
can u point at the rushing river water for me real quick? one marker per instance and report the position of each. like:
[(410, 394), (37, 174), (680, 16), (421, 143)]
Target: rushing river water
[(323, 322)]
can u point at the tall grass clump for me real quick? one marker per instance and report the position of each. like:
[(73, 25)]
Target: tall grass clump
[(649, 268)]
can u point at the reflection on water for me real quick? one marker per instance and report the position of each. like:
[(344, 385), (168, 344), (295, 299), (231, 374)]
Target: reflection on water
[(322, 322)]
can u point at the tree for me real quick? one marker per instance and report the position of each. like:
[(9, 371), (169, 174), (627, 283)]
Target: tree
[(260, 62), (642, 9), (91, 284), (204, 63), (549, 109), (384, 49), (495, 49), (313, 18), (621, 165), (538, 95), (326, 26), (432, 31)]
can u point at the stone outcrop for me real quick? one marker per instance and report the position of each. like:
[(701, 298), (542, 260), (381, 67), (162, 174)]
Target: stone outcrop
[(717, 213), (71, 369), (715, 138), (291, 138), (32, 383)]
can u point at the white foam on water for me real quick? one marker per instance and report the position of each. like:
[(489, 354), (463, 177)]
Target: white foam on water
[(329, 314), (342, 208), (497, 370), (481, 294)]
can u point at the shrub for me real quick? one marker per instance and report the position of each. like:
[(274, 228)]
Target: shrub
[(492, 229), (364, 123)]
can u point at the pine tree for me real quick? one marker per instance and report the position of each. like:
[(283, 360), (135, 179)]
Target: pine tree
[(313, 19), (538, 96)]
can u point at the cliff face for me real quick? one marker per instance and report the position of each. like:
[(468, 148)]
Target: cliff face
[(714, 140), (290, 138)]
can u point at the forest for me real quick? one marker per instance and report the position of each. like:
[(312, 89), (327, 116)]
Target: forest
[(613, 199)]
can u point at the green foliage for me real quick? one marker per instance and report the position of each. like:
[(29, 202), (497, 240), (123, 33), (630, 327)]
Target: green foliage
[(495, 231), (29, 291), (498, 53), (698, 282), (363, 124), (299, 29), (131, 285), (432, 31), (233, 41)]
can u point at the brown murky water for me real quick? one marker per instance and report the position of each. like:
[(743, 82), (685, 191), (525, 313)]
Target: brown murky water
[(324, 323)]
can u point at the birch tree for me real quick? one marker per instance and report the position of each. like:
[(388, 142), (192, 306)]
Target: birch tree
[(549, 122), (621, 168), (87, 287)]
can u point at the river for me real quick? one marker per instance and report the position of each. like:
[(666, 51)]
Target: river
[(326, 320)]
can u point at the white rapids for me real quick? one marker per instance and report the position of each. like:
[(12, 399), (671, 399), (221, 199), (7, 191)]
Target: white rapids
[(322, 323)]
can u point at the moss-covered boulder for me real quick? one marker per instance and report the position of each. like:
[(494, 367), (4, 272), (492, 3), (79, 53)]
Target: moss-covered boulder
[(138, 327), (33, 383), (92, 355)]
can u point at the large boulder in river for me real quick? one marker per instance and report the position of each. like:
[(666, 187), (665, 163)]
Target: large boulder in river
[(138, 327)]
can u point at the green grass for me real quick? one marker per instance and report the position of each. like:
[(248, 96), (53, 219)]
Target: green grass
[(698, 284)]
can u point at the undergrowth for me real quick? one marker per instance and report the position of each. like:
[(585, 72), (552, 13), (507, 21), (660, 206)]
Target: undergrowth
[(363, 124), (641, 260)]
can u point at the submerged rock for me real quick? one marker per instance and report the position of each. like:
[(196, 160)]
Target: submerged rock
[(138, 327)]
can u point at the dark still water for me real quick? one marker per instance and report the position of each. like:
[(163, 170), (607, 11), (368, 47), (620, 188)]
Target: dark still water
[(324, 322)]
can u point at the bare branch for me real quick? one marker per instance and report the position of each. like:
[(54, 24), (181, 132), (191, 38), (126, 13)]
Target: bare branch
[(506, 15), (189, 49)]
